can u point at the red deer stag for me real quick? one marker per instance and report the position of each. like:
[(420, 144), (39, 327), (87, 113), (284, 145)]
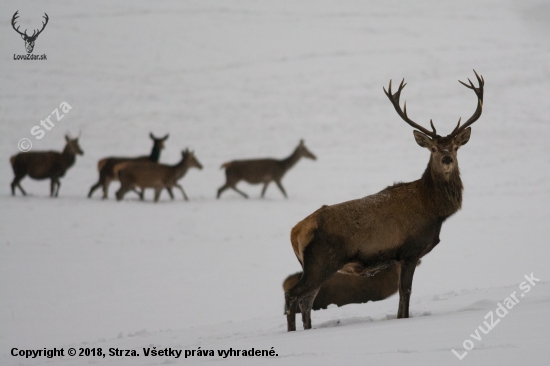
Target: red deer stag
[(157, 176), (44, 164), (399, 224), (342, 289), (256, 171), (106, 166)]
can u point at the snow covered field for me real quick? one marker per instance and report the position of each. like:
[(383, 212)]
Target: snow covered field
[(242, 79)]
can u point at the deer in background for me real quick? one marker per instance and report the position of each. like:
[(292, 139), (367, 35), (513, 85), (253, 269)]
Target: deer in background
[(45, 164), (400, 224), (256, 171), (158, 176), (106, 166)]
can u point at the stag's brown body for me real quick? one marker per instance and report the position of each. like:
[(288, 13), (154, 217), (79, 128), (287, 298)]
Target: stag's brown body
[(152, 175), (106, 166), (256, 171), (400, 224), (343, 289), (44, 165)]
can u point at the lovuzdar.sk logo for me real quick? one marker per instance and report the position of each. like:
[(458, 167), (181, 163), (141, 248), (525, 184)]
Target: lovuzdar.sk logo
[(29, 40)]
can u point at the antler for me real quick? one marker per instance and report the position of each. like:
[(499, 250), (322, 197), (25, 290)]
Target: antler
[(15, 16), (394, 99), (43, 26), (477, 113)]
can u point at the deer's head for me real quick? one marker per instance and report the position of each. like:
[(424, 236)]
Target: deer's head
[(159, 141), (72, 146), (29, 40), (443, 149), (190, 159), (303, 151)]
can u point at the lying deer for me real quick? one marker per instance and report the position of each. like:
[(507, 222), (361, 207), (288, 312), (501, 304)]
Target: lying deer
[(342, 289), (400, 224), (106, 166), (256, 171), (151, 175), (44, 164)]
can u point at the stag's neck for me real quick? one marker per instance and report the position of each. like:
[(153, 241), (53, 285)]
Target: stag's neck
[(444, 195), (155, 154), (290, 161), (67, 157)]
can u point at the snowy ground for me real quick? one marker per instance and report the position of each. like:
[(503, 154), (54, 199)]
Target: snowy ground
[(239, 79)]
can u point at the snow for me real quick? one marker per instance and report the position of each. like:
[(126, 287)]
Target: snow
[(244, 79)]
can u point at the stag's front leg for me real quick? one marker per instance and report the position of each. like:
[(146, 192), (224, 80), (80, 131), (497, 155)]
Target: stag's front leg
[(405, 286), (182, 192)]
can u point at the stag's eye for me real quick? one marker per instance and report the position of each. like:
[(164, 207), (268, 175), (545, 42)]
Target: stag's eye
[(434, 149)]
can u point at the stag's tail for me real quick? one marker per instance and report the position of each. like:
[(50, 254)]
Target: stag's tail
[(226, 165), (12, 160)]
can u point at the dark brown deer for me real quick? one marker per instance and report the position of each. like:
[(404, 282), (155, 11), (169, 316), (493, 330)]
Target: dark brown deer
[(158, 176), (29, 40), (44, 164), (342, 289), (399, 224), (256, 171), (106, 166)]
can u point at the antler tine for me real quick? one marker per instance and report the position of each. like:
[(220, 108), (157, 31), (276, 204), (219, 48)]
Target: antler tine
[(477, 113), (394, 99), (13, 19), (43, 24)]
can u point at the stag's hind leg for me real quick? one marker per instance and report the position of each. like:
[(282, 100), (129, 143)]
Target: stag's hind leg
[(320, 263)]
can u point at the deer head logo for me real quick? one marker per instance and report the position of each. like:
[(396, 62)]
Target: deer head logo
[(29, 40)]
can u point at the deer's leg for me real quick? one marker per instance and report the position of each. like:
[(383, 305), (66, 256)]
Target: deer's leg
[(158, 190), (223, 188), (405, 284), (52, 187), (240, 192), (320, 263), (93, 188), (281, 188), (169, 189), (305, 307), (105, 184), (122, 191), (58, 184), (182, 191), (140, 194), (265, 188), (16, 183)]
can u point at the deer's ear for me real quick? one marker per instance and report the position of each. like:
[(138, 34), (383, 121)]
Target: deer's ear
[(166, 137), (463, 137), (67, 138), (422, 139), (23, 36), (151, 135)]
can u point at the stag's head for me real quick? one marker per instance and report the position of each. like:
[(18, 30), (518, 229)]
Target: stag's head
[(304, 152), (443, 149), (29, 40), (159, 141)]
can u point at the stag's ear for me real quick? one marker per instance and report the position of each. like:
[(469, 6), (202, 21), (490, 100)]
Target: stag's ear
[(422, 139), (23, 36), (463, 137), (166, 137)]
